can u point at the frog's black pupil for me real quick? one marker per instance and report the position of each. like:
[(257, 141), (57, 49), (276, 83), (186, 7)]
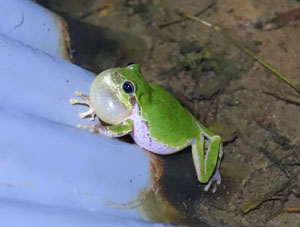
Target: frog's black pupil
[(130, 63), (128, 87)]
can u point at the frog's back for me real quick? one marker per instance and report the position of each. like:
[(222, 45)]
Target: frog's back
[(169, 122)]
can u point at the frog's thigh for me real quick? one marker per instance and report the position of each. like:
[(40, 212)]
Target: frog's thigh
[(205, 162)]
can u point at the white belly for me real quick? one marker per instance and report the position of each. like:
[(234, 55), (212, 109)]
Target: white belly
[(141, 135)]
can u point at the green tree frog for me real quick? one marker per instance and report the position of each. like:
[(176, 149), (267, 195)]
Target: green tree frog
[(157, 122)]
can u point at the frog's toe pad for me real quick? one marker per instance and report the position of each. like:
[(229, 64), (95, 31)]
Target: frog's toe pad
[(74, 101), (78, 93)]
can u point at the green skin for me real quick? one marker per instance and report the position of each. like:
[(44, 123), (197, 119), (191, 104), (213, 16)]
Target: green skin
[(169, 123)]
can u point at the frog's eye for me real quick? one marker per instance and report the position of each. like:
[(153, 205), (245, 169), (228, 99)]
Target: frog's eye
[(130, 63), (128, 87)]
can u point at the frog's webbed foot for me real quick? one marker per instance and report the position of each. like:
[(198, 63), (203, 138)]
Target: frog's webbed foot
[(85, 100)]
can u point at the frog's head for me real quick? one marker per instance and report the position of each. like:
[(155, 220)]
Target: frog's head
[(114, 92)]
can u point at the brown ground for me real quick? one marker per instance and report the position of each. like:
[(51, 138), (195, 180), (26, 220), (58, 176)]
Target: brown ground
[(220, 83)]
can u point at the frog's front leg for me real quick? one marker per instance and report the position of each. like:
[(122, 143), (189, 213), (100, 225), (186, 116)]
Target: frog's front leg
[(111, 130), (207, 159), (85, 100)]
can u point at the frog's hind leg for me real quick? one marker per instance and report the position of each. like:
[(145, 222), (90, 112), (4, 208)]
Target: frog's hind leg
[(206, 152), (85, 100), (216, 177)]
